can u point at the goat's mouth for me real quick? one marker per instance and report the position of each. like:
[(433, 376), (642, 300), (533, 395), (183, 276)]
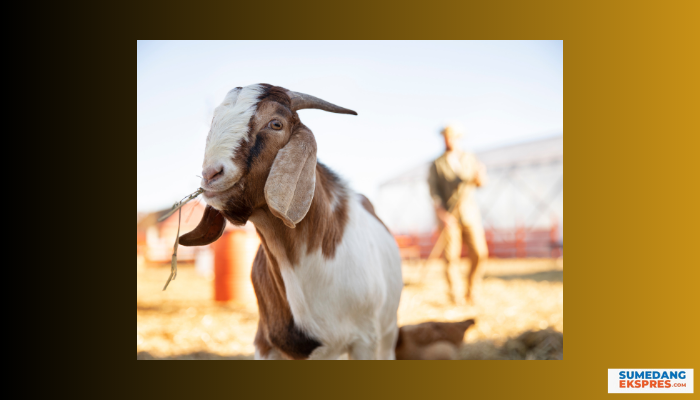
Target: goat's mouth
[(232, 203), (210, 194), (218, 198)]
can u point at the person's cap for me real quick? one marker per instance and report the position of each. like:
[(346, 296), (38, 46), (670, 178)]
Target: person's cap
[(453, 129)]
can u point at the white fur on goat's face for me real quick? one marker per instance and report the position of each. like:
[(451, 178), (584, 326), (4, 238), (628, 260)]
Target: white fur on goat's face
[(229, 128)]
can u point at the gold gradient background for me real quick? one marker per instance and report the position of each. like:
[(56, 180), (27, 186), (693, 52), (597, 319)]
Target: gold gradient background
[(633, 151)]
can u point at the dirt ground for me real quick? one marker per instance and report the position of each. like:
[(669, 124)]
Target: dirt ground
[(519, 312)]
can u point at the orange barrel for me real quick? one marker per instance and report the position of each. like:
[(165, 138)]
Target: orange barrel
[(234, 253)]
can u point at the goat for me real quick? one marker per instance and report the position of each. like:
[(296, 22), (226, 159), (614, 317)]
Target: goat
[(431, 340), (327, 275)]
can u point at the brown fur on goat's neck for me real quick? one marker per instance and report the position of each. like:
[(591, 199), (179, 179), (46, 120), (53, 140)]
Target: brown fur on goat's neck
[(322, 227)]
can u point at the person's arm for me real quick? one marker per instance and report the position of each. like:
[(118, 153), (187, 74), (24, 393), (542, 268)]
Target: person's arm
[(480, 177), (434, 185)]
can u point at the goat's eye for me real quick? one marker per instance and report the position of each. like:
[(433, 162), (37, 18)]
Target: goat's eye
[(275, 124)]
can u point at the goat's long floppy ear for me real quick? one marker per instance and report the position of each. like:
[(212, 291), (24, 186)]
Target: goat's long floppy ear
[(290, 186), (210, 228)]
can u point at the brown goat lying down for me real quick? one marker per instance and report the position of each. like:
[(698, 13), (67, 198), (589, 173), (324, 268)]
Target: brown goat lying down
[(431, 340)]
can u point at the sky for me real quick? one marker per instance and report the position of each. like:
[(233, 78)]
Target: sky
[(502, 92)]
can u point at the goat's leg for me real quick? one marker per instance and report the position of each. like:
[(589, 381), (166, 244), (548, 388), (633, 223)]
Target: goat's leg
[(387, 346), (364, 350), (326, 353), (263, 348), (272, 354), (366, 345)]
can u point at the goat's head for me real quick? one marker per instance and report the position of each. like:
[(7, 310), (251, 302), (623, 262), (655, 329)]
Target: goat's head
[(258, 152)]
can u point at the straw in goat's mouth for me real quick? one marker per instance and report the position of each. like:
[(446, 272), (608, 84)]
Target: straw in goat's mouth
[(177, 207)]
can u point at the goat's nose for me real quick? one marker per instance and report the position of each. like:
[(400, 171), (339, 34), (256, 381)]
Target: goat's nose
[(212, 173)]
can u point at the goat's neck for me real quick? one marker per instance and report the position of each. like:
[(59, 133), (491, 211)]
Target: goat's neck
[(321, 229)]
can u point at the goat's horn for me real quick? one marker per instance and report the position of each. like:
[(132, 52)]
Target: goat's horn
[(301, 101)]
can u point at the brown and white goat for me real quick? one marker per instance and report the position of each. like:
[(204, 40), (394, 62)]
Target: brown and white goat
[(328, 273)]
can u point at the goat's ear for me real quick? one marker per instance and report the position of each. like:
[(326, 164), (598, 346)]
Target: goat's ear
[(464, 325), (210, 228), (290, 186)]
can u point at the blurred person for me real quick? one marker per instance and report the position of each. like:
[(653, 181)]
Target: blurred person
[(453, 178)]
